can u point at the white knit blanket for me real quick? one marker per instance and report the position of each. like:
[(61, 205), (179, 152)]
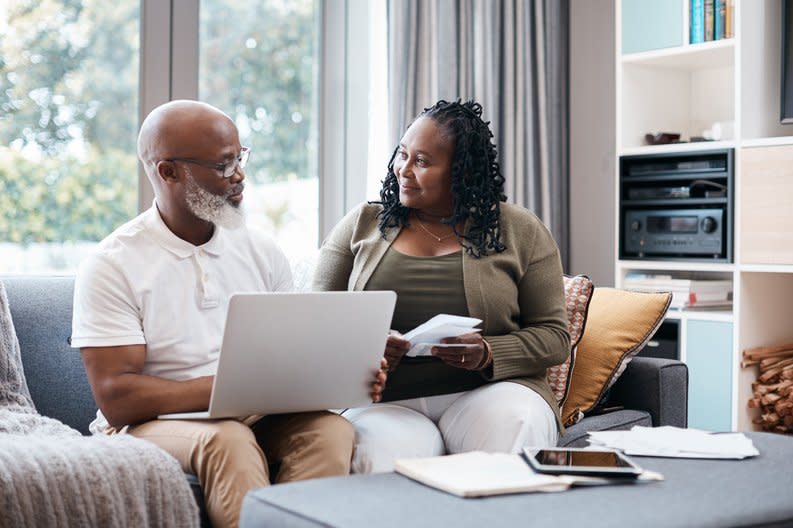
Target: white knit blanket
[(50, 475)]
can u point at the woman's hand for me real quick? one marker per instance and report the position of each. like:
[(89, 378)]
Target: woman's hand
[(475, 355), (395, 348), (380, 378)]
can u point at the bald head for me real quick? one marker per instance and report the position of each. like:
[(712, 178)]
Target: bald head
[(181, 128)]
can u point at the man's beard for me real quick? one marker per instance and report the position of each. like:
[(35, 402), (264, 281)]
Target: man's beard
[(214, 208)]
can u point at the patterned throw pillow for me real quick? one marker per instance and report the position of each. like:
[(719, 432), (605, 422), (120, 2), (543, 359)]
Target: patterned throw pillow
[(619, 324), (577, 294)]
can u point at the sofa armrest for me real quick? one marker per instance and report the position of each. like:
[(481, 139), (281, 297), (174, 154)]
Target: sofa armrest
[(658, 386)]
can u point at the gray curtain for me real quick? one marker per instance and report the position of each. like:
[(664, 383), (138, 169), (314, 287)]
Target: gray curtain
[(512, 57)]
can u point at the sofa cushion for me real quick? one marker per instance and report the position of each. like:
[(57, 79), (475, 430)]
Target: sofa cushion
[(577, 293), (619, 324)]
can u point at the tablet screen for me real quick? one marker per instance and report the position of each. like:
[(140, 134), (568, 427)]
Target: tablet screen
[(595, 459), (581, 461)]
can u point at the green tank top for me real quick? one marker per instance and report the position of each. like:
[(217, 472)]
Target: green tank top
[(425, 287)]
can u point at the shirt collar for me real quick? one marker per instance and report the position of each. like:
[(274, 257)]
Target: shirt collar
[(181, 248)]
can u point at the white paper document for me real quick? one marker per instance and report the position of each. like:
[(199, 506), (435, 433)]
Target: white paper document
[(429, 334), (668, 441)]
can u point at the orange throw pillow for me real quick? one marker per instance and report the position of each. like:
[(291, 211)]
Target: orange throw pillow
[(619, 324)]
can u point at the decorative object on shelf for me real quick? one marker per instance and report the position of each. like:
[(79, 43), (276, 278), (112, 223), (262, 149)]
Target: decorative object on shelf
[(718, 131), (662, 138), (773, 390)]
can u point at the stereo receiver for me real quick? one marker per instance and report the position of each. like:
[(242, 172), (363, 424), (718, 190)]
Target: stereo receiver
[(674, 231), (677, 206)]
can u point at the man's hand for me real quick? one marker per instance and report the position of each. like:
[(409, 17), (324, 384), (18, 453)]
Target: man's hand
[(475, 355), (379, 381), (395, 348)]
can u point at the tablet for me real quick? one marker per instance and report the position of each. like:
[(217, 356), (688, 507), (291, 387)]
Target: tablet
[(579, 461)]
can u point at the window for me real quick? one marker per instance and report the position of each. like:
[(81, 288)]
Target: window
[(258, 62), (76, 76), (68, 126)]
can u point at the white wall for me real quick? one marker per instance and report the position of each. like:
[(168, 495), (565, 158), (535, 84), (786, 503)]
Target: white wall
[(592, 140)]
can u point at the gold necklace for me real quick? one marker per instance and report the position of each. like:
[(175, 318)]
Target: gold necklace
[(433, 235)]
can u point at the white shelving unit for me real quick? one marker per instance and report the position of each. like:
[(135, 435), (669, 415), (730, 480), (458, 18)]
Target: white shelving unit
[(686, 89)]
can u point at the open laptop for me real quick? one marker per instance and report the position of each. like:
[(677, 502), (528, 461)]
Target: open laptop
[(294, 352)]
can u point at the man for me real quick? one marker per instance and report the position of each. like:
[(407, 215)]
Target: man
[(149, 308)]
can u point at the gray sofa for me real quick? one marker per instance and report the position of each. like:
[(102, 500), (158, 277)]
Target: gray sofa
[(651, 391)]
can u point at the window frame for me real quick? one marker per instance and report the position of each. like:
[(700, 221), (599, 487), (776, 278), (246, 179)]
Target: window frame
[(343, 76)]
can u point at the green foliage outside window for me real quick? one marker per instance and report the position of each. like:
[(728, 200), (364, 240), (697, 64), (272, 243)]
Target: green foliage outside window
[(68, 119), (66, 198), (258, 64), (69, 105)]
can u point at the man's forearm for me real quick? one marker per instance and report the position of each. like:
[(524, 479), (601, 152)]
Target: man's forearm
[(134, 398)]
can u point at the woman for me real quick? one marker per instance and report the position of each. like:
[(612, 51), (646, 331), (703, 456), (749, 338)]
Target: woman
[(444, 241)]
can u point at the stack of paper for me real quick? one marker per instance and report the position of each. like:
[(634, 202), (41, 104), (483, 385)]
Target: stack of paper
[(429, 334), (668, 441), (686, 293)]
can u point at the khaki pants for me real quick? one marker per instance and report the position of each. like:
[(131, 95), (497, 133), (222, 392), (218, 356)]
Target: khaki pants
[(231, 458)]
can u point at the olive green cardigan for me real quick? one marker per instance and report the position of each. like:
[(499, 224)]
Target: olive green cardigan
[(518, 294)]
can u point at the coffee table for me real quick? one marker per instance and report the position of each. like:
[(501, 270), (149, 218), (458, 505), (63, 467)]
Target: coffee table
[(702, 493)]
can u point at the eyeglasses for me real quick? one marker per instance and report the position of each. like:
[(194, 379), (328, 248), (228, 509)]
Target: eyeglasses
[(228, 169)]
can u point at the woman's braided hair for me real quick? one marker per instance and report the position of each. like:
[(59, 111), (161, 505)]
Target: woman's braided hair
[(477, 183)]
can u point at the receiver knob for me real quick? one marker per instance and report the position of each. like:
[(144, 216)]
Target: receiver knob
[(708, 224), (636, 225)]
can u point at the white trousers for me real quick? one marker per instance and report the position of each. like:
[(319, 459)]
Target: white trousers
[(498, 417)]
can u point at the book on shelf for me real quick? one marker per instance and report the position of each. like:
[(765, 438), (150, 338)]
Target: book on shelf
[(709, 305), (709, 8), (718, 19), (686, 293), (711, 20), (697, 22)]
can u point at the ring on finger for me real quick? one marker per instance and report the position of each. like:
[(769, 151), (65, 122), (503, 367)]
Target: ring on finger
[(463, 361)]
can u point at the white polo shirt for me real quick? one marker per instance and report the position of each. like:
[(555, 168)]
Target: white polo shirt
[(145, 285)]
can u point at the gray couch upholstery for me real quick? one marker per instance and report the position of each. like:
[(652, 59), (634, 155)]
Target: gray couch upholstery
[(651, 391)]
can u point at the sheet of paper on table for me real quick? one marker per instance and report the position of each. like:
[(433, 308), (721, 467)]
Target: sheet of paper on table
[(668, 441)]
